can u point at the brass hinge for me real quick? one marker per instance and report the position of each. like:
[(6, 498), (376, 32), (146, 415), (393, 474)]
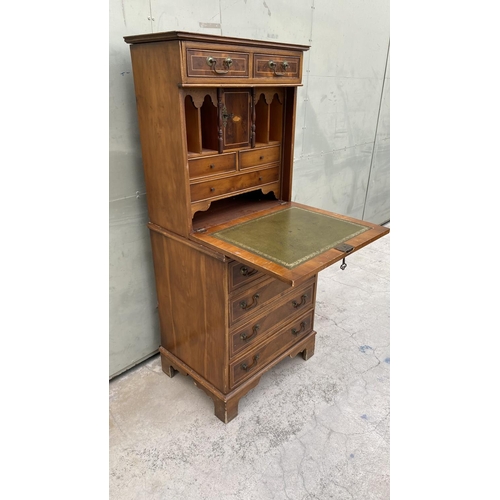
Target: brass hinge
[(344, 247)]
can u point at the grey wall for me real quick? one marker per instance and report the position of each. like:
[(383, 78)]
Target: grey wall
[(341, 160)]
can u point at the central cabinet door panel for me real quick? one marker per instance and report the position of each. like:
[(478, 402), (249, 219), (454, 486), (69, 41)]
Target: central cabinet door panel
[(236, 118)]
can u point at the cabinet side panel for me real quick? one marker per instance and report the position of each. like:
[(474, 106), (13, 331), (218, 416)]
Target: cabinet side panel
[(156, 68), (192, 305)]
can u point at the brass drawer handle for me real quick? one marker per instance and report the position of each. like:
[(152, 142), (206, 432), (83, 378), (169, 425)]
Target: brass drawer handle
[(274, 66), (245, 272), (246, 367), (244, 305), (301, 303), (246, 337), (212, 62), (302, 327)]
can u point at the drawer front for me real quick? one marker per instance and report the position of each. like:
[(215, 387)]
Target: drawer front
[(254, 361), (217, 64), (276, 67), (255, 298), (241, 274), (216, 188), (261, 156), (201, 167), (262, 326)]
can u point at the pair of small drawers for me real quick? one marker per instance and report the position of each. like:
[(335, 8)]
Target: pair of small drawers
[(266, 316), (227, 163), (226, 64)]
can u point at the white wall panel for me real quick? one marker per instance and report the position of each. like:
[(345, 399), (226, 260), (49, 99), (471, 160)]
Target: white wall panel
[(134, 326), (340, 109), (337, 178), (342, 113), (133, 329), (186, 15), (279, 20), (350, 37), (377, 206), (341, 155)]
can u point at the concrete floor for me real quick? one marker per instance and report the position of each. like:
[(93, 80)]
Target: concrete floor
[(316, 429)]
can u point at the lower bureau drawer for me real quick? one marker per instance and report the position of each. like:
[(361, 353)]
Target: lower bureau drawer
[(264, 324), (261, 356), (215, 188), (255, 298), (241, 274)]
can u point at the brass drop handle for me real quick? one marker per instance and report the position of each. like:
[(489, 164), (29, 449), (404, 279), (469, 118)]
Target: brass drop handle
[(301, 303), (212, 62), (245, 272), (244, 305), (302, 328), (246, 337), (274, 66), (246, 367)]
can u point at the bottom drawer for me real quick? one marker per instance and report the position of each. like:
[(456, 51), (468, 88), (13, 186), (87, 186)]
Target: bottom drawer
[(257, 359)]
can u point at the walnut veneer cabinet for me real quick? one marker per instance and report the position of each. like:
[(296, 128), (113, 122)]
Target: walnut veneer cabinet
[(235, 259)]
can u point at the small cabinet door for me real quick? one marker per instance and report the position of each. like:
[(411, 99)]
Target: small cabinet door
[(236, 111)]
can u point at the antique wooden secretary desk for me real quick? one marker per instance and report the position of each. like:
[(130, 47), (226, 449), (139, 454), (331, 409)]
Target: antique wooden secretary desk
[(235, 260)]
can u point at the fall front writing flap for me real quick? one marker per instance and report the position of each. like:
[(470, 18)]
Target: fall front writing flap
[(290, 242)]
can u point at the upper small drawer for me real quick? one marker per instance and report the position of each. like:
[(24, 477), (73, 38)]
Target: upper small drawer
[(210, 165), (217, 64), (259, 156), (276, 67)]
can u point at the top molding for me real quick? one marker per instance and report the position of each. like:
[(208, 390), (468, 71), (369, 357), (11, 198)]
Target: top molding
[(200, 37)]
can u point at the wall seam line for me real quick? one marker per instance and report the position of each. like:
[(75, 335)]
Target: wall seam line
[(128, 197), (151, 16), (376, 131)]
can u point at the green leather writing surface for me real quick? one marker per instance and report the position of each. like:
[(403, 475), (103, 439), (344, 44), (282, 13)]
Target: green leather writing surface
[(291, 236)]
